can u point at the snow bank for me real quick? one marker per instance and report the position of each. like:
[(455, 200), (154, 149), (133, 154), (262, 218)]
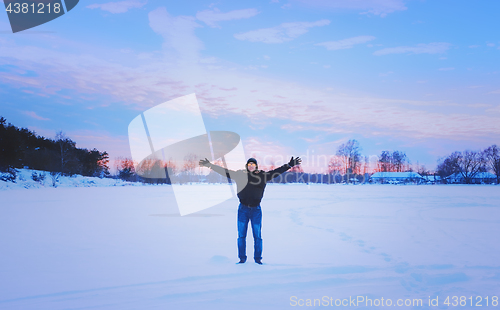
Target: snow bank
[(24, 180)]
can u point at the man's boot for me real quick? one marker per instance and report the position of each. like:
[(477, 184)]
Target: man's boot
[(242, 260)]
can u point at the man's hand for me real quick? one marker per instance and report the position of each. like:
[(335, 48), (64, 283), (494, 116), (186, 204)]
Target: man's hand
[(294, 161), (205, 163)]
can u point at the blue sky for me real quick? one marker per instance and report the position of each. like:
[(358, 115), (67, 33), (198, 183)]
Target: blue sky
[(291, 77)]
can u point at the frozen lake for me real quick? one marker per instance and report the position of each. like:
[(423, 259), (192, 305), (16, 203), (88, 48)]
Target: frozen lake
[(127, 248)]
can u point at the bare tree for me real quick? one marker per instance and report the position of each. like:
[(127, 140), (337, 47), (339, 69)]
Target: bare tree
[(385, 162), (171, 170), (66, 146), (125, 168), (151, 170), (188, 167), (492, 158), (366, 165), (449, 165), (399, 160), (470, 163), (334, 165), (396, 161), (189, 163), (422, 170), (297, 168), (214, 177), (349, 153)]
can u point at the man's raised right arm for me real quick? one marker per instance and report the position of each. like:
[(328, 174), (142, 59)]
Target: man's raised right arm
[(220, 170)]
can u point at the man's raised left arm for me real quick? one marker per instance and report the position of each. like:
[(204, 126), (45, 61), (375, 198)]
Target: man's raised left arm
[(276, 172)]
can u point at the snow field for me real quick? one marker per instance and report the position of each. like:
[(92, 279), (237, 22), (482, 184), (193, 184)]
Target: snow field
[(127, 247)]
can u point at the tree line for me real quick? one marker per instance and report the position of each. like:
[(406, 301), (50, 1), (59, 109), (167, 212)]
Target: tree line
[(348, 160), (469, 164), (466, 165), (20, 148), (348, 165)]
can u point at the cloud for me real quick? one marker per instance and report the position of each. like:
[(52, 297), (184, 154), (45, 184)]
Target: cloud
[(180, 40), (375, 7), (266, 57), (490, 44), (446, 69), (211, 17), (313, 140), (35, 116), (279, 34), (346, 43), (267, 153), (154, 82), (306, 127), (430, 48), (118, 7), (103, 72), (479, 105), (385, 73), (208, 60), (495, 109)]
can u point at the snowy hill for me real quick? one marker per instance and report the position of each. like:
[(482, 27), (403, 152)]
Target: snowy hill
[(24, 179)]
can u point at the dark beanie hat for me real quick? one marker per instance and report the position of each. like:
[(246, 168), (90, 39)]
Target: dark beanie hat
[(253, 160)]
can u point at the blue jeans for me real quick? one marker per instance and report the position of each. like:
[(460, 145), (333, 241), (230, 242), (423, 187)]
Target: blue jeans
[(254, 215)]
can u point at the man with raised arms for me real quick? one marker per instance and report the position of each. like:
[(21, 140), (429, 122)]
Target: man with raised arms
[(250, 183)]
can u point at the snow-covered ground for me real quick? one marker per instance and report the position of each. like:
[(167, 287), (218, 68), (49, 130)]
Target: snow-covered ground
[(127, 248), (24, 180)]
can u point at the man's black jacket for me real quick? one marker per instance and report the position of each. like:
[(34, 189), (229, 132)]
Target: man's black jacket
[(250, 185)]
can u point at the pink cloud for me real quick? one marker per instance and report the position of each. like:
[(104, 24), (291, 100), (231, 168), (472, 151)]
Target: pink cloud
[(212, 17), (430, 48), (280, 34), (143, 83), (375, 7), (117, 7), (35, 116), (267, 153), (345, 43)]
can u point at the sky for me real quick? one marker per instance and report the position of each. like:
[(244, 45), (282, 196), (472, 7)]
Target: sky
[(291, 77)]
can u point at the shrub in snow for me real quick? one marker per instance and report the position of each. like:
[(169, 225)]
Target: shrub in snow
[(9, 175), (38, 177), (54, 176)]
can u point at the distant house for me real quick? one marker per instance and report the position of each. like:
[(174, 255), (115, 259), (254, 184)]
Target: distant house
[(431, 179), (479, 178), (396, 177)]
